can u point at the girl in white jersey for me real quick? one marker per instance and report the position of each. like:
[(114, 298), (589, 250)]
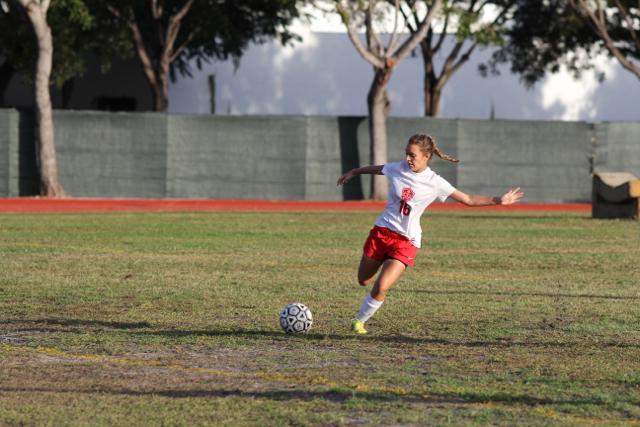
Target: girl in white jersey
[(395, 238)]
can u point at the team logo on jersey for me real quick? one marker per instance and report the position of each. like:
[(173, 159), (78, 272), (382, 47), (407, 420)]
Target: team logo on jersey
[(407, 194)]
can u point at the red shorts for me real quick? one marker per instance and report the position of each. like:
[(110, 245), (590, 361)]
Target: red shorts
[(383, 243)]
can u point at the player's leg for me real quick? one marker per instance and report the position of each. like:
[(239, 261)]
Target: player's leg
[(367, 270), (391, 271), (366, 274)]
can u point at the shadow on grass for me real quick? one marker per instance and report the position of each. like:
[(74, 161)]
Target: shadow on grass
[(516, 217), (394, 339), (519, 399), (279, 395), (78, 323), (519, 294), (334, 395)]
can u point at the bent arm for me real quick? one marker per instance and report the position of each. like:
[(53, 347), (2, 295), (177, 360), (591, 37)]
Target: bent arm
[(367, 170), (510, 197)]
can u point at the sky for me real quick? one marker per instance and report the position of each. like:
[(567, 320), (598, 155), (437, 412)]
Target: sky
[(324, 75)]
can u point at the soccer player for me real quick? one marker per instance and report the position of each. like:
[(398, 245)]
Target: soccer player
[(394, 240)]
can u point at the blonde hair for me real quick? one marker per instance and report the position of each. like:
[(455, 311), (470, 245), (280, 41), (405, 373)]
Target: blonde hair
[(427, 145)]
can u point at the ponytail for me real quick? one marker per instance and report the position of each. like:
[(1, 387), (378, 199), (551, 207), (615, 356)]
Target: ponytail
[(443, 156), (428, 146)]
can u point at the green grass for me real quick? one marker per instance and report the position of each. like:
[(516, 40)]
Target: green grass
[(172, 319)]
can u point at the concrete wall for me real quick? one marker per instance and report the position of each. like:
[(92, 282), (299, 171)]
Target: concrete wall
[(150, 155), (548, 160), (232, 157), (328, 141), (112, 155), (18, 170)]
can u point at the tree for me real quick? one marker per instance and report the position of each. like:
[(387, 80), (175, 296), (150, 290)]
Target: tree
[(547, 34), (617, 24), (384, 59), (466, 21), (6, 73), (55, 39), (76, 34), (168, 34), (36, 11)]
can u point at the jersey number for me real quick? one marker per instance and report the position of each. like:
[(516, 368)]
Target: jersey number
[(405, 209)]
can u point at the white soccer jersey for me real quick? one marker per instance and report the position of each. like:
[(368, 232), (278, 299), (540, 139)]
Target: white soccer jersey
[(409, 195)]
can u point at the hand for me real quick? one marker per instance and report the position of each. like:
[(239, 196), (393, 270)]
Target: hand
[(512, 196), (345, 178)]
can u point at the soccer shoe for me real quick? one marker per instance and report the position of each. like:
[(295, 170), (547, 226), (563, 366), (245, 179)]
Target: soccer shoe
[(357, 326)]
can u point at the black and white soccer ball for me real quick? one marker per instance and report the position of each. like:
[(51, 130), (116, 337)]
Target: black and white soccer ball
[(296, 318)]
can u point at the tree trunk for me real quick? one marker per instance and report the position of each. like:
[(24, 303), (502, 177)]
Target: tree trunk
[(430, 83), (378, 105), (67, 91), (161, 94), (432, 95), (6, 73), (157, 74), (45, 145)]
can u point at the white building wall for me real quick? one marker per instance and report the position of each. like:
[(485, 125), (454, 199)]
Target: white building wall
[(324, 75)]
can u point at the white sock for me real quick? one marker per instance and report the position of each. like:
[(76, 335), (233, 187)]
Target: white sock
[(368, 308)]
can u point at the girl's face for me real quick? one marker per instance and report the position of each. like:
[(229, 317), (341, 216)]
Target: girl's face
[(416, 159)]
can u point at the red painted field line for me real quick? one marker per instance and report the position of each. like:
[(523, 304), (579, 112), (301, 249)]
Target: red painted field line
[(38, 205)]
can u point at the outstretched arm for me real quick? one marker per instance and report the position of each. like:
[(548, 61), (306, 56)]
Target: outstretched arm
[(510, 197), (371, 170)]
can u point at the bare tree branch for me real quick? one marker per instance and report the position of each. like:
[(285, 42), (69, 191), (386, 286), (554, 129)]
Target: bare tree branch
[(173, 29), (182, 12), (414, 12), (147, 64), (627, 17), (353, 36), (598, 20), (407, 20), (601, 17), (373, 41), (156, 9), (415, 38), (446, 68), (394, 35), (179, 49), (443, 34), (156, 13), (463, 59)]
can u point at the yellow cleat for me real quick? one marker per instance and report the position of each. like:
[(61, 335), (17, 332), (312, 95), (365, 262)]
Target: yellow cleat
[(357, 326)]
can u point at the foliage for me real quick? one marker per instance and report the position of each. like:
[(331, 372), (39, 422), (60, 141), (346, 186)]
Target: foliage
[(75, 32), (210, 29), (617, 24), (470, 24), (81, 28), (546, 34)]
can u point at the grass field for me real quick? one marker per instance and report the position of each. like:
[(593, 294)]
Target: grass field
[(172, 319)]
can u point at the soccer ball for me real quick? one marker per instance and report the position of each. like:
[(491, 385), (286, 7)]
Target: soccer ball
[(296, 318)]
